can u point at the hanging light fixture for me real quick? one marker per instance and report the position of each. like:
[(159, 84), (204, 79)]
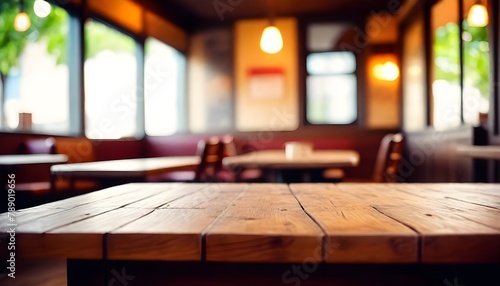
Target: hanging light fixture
[(42, 8), (271, 41), (22, 21), (478, 15)]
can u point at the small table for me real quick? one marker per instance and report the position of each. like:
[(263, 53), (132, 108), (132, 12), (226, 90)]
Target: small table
[(479, 152), (126, 170), (276, 163), (9, 163), (267, 234)]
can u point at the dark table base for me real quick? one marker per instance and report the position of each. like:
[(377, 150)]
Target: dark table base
[(86, 272)]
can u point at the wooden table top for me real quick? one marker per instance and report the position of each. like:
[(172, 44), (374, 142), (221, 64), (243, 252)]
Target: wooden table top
[(276, 159), (334, 223), (480, 152), (31, 159), (127, 168)]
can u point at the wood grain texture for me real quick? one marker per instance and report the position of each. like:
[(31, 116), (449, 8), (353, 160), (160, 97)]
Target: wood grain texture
[(450, 230), (75, 227), (264, 224), (174, 231), (356, 232), (256, 223)]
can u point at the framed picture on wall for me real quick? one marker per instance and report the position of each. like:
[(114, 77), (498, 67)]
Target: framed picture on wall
[(266, 83)]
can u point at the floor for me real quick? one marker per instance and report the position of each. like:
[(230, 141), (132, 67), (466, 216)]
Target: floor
[(36, 272)]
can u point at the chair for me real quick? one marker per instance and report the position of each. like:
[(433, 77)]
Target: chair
[(211, 153), (40, 183), (239, 175), (33, 182), (387, 163), (388, 158)]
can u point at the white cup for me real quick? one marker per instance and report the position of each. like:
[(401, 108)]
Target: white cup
[(295, 150)]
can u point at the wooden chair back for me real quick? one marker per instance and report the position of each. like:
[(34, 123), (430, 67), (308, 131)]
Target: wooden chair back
[(389, 158), (211, 153)]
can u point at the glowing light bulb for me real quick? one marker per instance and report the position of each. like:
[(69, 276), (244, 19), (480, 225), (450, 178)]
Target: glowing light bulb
[(388, 71), (42, 8), (271, 41), (22, 22), (478, 16)]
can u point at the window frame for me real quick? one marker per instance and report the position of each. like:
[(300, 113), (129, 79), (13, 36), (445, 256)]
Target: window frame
[(75, 84), (182, 105), (304, 53), (140, 61)]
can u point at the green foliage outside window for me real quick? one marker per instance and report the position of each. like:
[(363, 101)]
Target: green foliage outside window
[(52, 28), (476, 64)]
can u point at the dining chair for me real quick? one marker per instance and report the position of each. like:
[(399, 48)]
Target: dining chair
[(211, 152), (389, 157), (239, 175)]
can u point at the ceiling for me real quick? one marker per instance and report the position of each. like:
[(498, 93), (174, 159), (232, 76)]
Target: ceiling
[(202, 12)]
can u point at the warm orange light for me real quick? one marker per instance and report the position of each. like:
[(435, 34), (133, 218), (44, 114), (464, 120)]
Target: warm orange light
[(478, 16), (22, 22), (388, 71), (271, 41)]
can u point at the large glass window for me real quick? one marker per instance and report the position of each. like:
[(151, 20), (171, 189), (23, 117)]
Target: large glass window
[(446, 82), (164, 81), (331, 88), (111, 87), (34, 73), (476, 85), (331, 84)]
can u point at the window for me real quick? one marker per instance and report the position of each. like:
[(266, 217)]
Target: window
[(35, 74), (164, 81), (476, 66), (111, 83), (446, 82), (413, 75), (331, 84)]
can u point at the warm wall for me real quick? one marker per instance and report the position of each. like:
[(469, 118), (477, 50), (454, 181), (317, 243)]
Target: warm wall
[(104, 149), (382, 95), (257, 112), (133, 17)]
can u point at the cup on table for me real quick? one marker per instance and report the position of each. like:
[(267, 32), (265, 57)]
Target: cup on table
[(295, 150)]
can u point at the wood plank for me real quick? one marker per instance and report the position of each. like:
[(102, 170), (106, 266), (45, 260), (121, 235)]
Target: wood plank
[(446, 235), (111, 194), (264, 224), (356, 232), (175, 231), (211, 196), (47, 237), (126, 168), (481, 194), (440, 196), (82, 239), (276, 159), (32, 239), (171, 193)]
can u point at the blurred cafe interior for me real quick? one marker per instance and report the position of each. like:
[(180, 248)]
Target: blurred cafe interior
[(98, 93)]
